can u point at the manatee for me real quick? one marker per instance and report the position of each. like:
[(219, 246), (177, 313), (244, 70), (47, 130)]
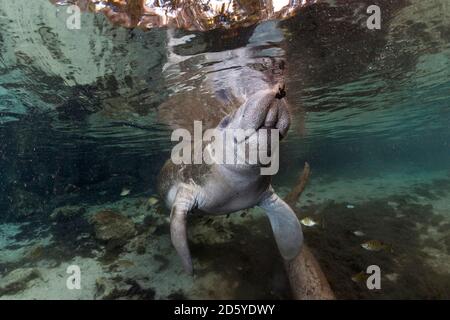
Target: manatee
[(222, 188)]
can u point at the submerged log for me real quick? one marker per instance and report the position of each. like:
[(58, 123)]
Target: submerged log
[(307, 280), (297, 191)]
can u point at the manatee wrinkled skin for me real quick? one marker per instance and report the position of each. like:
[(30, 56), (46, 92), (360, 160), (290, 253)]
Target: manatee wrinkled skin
[(217, 189)]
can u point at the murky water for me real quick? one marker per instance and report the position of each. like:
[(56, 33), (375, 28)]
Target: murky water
[(85, 123)]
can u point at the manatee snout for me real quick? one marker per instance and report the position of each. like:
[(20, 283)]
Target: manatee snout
[(266, 109)]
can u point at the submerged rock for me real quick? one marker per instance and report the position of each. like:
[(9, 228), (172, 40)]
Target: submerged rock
[(118, 288), (25, 204), (17, 280), (112, 226), (67, 212), (138, 244), (108, 289)]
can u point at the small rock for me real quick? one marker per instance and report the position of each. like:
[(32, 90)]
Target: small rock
[(17, 280)]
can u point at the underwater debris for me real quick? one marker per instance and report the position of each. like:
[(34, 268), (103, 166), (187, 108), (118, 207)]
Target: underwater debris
[(376, 245), (17, 280), (308, 222)]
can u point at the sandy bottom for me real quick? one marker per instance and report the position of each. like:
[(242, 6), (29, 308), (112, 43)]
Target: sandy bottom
[(235, 257)]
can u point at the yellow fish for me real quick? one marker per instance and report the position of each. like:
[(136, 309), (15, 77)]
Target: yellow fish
[(152, 201), (376, 245), (308, 222)]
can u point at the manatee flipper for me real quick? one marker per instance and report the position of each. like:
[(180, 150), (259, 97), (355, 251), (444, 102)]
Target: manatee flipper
[(184, 202), (285, 225)]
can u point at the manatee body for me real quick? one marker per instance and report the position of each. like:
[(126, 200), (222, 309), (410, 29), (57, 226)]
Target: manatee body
[(215, 189)]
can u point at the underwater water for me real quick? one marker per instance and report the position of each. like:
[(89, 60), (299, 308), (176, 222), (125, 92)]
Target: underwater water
[(85, 123)]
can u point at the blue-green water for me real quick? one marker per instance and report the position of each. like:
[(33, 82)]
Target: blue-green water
[(87, 114)]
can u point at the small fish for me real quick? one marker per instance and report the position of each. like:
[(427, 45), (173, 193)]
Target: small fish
[(376, 245), (360, 277), (393, 204), (124, 264), (392, 277), (359, 233), (350, 206), (308, 222), (152, 201), (125, 192)]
